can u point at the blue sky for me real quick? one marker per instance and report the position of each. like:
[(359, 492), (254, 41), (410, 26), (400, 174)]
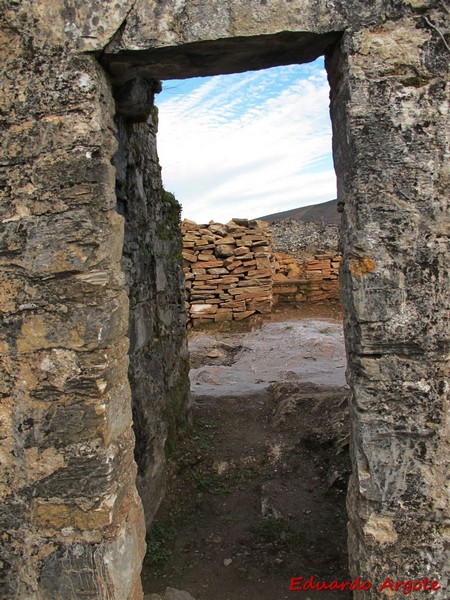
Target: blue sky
[(247, 144)]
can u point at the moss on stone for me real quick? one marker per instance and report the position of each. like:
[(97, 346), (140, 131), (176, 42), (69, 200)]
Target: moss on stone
[(168, 228), (175, 413), (414, 81)]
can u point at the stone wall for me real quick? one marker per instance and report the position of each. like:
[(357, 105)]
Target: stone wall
[(151, 261), (387, 87), (308, 279), (71, 519), (228, 270), (232, 272), (72, 522), (304, 238)]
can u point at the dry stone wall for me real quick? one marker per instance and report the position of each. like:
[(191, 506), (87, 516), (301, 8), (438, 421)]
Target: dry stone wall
[(232, 272), (71, 519), (307, 279), (228, 270), (304, 238)]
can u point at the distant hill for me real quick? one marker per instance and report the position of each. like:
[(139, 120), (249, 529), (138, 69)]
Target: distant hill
[(326, 212)]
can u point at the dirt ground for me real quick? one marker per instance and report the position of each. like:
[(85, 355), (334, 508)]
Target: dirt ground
[(257, 488)]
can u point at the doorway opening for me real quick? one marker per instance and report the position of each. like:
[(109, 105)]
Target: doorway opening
[(158, 351), (247, 144), (261, 479), (258, 487)]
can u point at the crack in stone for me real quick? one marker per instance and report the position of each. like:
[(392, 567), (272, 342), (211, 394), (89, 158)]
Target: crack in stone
[(119, 29)]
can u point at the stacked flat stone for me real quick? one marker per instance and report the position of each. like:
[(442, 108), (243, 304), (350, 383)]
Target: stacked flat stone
[(307, 279), (228, 270)]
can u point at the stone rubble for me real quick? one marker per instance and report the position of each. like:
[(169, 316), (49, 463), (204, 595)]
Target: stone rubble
[(304, 237)]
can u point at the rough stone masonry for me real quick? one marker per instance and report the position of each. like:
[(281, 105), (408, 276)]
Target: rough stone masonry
[(73, 297), (231, 271)]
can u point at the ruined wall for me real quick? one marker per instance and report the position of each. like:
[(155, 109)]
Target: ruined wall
[(300, 238), (389, 89), (152, 263), (307, 261), (71, 519), (228, 269), (232, 272), (307, 279)]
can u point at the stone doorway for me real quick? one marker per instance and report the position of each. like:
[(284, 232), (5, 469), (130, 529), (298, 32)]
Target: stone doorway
[(359, 262), (73, 523)]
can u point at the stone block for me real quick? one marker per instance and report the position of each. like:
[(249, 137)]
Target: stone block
[(224, 250), (279, 277), (218, 229), (234, 265), (242, 251), (190, 236), (249, 256), (212, 264), (253, 295), (200, 294), (189, 256), (263, 263), (189, 227), (205, 256), (227, 280), (218, 271), (317, 265), (244, 269), (239, 316), (202, 277), (233, 304), (227, 241), (203, 309), (261, 273), (247, 290)]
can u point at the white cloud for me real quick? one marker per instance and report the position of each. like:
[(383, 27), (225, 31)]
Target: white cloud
[(247, 144)]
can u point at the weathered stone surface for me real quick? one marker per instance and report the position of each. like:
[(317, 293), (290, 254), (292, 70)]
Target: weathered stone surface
[(315, 276), (151, 260), (394, 292), (134, 99), (70, 514), (62, 284), (224, 250), (299, 238)]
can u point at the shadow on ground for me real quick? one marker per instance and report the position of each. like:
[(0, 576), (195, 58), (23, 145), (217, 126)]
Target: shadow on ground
[(257, 488)]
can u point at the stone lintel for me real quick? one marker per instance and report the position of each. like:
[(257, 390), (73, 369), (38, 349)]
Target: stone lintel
[(221, 56)]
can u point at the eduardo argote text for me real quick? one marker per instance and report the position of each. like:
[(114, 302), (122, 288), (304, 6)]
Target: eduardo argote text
[(405, 587)]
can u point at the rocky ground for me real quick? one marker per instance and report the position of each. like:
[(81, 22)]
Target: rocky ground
[(257, 492)]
